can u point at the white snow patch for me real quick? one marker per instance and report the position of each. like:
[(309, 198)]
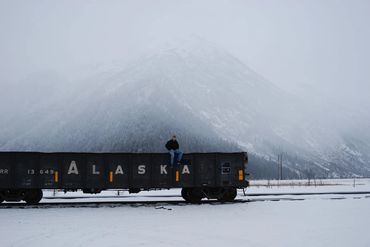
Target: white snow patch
[(314, 221)]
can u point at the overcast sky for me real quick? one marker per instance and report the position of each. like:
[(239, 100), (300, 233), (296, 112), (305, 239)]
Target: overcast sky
[(322, 43)]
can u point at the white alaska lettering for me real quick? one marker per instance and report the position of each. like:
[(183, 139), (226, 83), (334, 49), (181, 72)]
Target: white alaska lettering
[(141, 169), (185, 170), (163, 169), (73, 168), (119, 170), (94, 171)]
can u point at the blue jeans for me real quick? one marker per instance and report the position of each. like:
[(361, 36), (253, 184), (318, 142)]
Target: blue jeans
[(175, 152)]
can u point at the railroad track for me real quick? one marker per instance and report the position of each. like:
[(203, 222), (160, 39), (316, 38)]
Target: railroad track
[(163, 204), (241, 194), (311, 193), (112, 204)]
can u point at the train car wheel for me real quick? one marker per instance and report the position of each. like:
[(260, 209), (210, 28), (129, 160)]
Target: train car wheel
[(185, 194), (33, 196), (232, 193), (229, 195), (195, 195)]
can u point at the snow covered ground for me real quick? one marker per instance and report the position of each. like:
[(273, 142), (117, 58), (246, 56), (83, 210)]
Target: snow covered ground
[(268, 220)]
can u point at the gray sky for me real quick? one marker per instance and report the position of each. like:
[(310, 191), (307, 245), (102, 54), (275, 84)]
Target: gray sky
[(322, 43)]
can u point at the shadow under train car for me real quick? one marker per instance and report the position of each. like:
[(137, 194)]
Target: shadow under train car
[(23, 175)]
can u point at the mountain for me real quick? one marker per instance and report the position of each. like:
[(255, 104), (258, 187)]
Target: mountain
[(209, 98)]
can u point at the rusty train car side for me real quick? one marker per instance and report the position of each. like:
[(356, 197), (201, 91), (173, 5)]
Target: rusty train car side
[(23, 175)]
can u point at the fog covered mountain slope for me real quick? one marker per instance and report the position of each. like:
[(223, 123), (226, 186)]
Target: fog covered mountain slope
[(205, 95)]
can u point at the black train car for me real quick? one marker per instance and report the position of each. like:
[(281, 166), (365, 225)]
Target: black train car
[(23, 175)]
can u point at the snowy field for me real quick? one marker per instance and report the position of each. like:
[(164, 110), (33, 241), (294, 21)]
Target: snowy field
[(263, 220)]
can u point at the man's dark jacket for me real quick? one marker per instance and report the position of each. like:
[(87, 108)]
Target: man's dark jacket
[(172, 145)]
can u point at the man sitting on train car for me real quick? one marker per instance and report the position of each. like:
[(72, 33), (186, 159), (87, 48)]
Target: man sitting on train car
[(173, 148)]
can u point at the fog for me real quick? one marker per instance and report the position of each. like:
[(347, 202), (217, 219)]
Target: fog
[(315, 53), (320, 44)]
